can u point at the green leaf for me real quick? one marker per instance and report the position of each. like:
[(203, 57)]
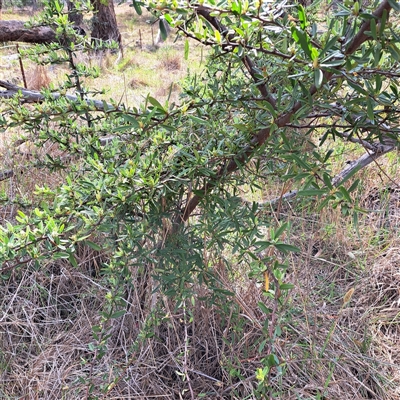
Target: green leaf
[(345, 193), (284, 247), (281, 229), (286, 286), (378, 83), (301, 38), (370, 109), (155, 103), (131, 120), (136, 4), (383, 21), (318, 78), (72, 260), (357, 87), (327, 180), (186, 53), (262, 245), (354, 185), (394, 4), (61, 255), (262, 345), (311, 192), (372, 27), (163, 29), (118, 314), (329, 44), (224, 291), (264, 308), (314, 53), (394, 51), (302, 17), (57, 6), (198, 120), (93, 245), (217, 36)]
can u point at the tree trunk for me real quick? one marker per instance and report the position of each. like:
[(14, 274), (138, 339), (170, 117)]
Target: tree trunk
[(74, 16), (14, 31), (105, 22)]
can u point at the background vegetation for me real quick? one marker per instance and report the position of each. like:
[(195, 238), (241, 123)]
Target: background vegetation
[(152, 245)]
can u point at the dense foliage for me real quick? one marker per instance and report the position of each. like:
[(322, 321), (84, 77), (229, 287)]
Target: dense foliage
[(158, 189)]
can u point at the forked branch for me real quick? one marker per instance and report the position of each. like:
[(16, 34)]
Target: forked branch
[(261, 136)]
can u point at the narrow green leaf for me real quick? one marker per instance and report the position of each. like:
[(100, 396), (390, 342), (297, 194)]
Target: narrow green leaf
[(286, 286), (311, 192), (186, 53), (72, 260), (264, 308), (93, 245), (382, 25), (163, 29), (327, 180), (314, 53), (132, 120), (303, 41), (155, 103), (217, 36), (198, 120), (372, 27), (354, 185), (318, 77), (136, 5), (352, 173), (223, 291), (329, 44), (302, 17), (268, 106), (394, 4), (345, 193), (280, 230), (262, 245), (370, 109), (394, 51), (378, 83), (357, 87), (262, 345), (60, 255), (118, 314), (324, 203), (284, 247)]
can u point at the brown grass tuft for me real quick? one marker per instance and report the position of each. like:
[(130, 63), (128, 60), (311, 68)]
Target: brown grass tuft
[(38, 78), (171, 62), (136, 83)]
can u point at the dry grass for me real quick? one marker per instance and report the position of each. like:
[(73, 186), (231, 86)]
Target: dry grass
[(171, 62), (38, 78), (329, 350)]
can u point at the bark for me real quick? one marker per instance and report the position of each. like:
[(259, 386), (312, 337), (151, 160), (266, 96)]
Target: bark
[(105, 22), (15, 31)]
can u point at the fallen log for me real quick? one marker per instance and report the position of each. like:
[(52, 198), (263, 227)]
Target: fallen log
[(33, 96), (15, 31)]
